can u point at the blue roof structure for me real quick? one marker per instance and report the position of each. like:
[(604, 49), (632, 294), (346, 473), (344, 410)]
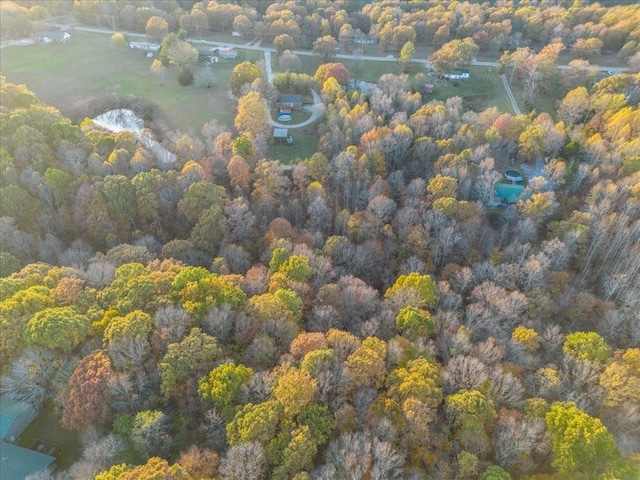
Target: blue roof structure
[(16, 463), (10, 410), (507, 192)]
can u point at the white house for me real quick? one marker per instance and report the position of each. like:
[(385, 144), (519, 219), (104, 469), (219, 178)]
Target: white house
[(457, 75)]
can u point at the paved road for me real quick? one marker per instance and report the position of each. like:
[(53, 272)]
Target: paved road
[(267, 66), (257, 47)]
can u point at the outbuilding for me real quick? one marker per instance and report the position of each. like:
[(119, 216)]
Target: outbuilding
[(462, 74), (227, 53)]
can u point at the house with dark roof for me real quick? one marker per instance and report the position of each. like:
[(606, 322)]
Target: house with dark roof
[(289, 102), (17, 463)]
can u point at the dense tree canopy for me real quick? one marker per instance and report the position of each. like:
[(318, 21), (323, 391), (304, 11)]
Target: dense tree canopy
[(372, 309)]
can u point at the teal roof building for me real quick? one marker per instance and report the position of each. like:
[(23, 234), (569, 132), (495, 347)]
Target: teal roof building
[(17, 463), (14, 418), (507, 192)]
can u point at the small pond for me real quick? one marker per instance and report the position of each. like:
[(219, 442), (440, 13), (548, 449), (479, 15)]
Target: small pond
[(122, 119)]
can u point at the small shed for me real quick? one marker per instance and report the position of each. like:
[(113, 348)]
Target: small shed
[(14, 418), (290, 102), (282, 135)]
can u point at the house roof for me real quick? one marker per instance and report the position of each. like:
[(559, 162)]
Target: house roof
[(16, 463), (289, 98), (280, 132), (508, 192), (10, 410)]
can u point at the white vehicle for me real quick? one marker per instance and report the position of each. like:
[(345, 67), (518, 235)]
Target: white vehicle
[(236, 34)]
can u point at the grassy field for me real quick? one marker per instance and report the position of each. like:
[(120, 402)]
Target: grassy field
[(482, 90), (304, 146), (46, 428), (65, 76)]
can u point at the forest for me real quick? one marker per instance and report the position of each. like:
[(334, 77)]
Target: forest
[(367, 312)]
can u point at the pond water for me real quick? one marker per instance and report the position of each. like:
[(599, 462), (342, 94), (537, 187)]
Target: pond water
[(122, 119)]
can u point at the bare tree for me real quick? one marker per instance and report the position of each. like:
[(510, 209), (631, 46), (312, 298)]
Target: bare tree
[(246, 461), (464, 372)]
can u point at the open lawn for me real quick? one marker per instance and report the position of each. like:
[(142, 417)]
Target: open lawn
[(304, 146), (66, 76), (368, 70), (46, 428), (482, 90)]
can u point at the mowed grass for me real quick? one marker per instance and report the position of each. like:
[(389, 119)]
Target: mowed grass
[(46, 427), (482, 90), (65, 76), (304, 146)]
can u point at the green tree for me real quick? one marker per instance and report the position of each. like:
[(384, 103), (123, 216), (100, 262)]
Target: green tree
[(415, 323), (587, 346), (150, 433), (282, 303), (469, 407), (582, 446), (283, 42), (294, 390), (325, 47), (453, 54), (182, 55), (199, 197), (255, 423), (298, 455), (222, 385), (413, 290), (118, 41), (407, 53), (296, 268), (243, 73), (17, 203), (442, 186), (242, 146), (8, 264), (156, 468), (251, 119), (366, 365), (190, 358), (133, 324), (419, 379), (319, 420), (495, 473), (159, 70), (59, 328), (156, 29)]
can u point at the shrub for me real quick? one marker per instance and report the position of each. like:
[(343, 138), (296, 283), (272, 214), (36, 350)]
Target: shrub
[(185, 77)]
